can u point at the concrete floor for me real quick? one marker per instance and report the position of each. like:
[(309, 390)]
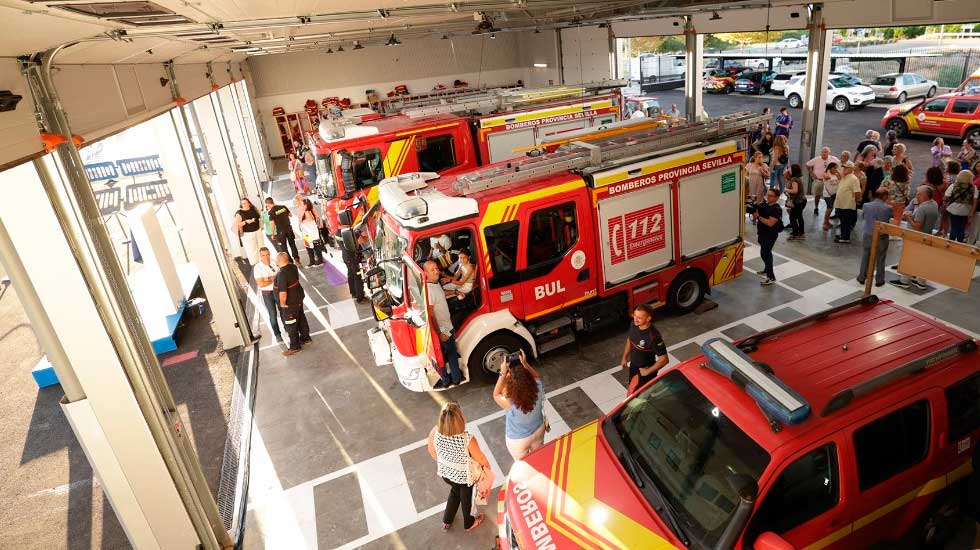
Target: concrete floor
[(338, 456)]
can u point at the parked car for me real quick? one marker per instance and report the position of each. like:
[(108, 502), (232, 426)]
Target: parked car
[(755, 82), (956, 114), (722, 80), (901, 86), (767, 443), (843, 92), (759, 64), (780, 80), (788, 43)]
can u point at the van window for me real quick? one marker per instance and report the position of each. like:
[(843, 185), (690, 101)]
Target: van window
[(502, 246), (892, 444), (361, 169), (965, 106), (436, 153), (551, 233), (807, 488), (963, 407), (936, 106)]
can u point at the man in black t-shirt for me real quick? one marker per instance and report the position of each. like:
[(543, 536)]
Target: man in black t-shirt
[(285, 239), (290, 294), (645, 352), (769, 218)]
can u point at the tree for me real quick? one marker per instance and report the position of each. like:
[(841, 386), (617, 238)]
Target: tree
[(912, 31), (889, 33), (671, 44), (743, 38), (712, 42)]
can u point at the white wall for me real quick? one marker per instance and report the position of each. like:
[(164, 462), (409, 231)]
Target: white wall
[(288, 80), (585, 54)]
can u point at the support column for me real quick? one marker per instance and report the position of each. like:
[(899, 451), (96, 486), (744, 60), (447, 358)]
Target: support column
[(226, 106), (200, 231), (127, 421), (693, 67), (815, 88), (224, 182), (260, 153)]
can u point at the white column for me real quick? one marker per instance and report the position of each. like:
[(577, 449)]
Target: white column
[(260, 153), (815, 88), (192, 211), (224, 182), (134, 474), (243, 161), (693, 66), (159, 269)]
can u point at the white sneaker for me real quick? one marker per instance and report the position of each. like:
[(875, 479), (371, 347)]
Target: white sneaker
[(767, 281)]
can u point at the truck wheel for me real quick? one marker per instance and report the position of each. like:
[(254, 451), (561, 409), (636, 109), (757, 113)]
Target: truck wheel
[(686, 292), (897, 124), (973, 136), (939, 523), (728, 89), (795, 101), (488, 356), (841, 105)]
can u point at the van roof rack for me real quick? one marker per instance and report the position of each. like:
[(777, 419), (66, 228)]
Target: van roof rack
[(504, 100), (749, 343), (844, 398), (581, 155)]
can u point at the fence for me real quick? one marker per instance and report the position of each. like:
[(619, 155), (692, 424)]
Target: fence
[(949, 70)]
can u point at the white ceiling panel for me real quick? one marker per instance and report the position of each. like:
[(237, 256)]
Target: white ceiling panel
[(40, 32)]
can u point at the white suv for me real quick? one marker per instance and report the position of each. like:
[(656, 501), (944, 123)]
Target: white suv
[(843, 92)]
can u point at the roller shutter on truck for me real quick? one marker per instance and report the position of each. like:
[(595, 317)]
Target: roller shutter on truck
[(636, 209)]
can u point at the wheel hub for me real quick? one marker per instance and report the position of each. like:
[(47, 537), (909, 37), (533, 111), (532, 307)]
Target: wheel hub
[(494, 359)]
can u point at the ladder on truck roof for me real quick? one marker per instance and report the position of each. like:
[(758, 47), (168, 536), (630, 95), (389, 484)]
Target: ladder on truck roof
[(504, 100), (401, 104), (581, 155)]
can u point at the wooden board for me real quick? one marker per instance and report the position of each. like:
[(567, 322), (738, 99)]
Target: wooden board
[(936, 264)]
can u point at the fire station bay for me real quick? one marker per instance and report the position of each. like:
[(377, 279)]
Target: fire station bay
[(490, 274)]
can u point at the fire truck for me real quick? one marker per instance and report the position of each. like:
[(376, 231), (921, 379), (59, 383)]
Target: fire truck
[(353, 154), (562, 243)]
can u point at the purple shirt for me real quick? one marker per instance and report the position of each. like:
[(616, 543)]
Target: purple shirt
[(938, 154), (783, 119)]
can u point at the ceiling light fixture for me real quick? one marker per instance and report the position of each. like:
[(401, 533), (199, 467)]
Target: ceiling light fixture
[(445, 37), (493, 36), (340, 48), (714, 16), (392, 41), (329, 49), (358, 46)]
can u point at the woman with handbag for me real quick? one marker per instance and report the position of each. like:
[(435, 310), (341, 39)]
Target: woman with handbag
[(961, 203), (520, 392), (780, 163), (309, 226), (458, 455)]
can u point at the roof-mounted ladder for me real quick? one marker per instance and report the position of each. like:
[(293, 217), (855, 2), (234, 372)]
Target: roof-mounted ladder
[(504, 99), (582, 155)]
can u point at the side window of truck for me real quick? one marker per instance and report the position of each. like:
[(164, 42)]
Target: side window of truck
[(502, 247), (807, 488), (963, 407), (892, 444), (362, 168), (436, 153), (551, 233)]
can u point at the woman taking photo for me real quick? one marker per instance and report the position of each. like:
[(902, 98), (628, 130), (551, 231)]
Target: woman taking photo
[(519, 391), (248, 223), (645, 352), (457, 454)]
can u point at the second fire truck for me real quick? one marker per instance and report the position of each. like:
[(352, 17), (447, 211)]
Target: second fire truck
[(562, 243)]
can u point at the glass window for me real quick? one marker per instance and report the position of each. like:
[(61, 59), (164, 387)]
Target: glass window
[(691, 451), (936, 106), (389, 248), (884, 81), (552, 232), (435, 153), (415, 290), (502, 246), (361, 169), (324, 176), (963, 407), (807, 488), (965, 106), (892, 444)]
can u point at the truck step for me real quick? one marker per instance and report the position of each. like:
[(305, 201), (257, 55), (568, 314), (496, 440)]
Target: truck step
[(557, 323), (556, 343)]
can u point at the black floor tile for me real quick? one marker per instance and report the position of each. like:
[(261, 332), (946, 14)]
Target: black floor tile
[(685, 352), (785, 315), (426, 487), (806, 280), (575, 407), (339, 510), (739, 331)]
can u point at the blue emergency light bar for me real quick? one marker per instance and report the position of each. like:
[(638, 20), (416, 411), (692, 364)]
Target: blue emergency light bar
[(776, 399)]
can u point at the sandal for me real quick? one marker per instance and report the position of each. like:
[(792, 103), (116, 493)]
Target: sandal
[(476, 522)]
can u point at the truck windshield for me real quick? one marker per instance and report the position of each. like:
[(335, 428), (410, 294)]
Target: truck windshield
[(324, 176), (690, 449), (389, 248)]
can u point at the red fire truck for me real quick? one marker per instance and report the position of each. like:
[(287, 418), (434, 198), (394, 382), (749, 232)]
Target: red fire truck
[(562, 243), (353, 155)]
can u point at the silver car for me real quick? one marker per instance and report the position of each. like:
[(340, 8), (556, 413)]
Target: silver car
[(901, 86)]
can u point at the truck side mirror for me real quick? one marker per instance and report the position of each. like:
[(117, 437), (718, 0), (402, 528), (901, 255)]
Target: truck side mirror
[(345, 217), (381, 303), (376, 278), (771, 541), (349, 240)]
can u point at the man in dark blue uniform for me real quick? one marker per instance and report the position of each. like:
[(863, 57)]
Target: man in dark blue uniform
[(291, 294)]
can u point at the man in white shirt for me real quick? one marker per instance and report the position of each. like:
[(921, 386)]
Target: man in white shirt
[(439, 315), (265, 277), (816, 167)]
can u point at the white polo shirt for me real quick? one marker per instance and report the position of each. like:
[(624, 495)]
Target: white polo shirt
[(262, 271)]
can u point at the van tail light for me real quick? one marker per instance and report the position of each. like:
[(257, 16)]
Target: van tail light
[(893, 89)]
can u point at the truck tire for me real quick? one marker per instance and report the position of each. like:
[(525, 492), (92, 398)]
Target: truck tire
[(973, 136), (491, 352), (939, 523), (686, 292), (795, 101)]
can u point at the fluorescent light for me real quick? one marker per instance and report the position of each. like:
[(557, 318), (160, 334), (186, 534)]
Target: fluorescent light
[(541, 65)]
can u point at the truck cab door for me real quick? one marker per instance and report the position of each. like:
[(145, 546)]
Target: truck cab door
[(559, 260), (426, 336), (400, 157)]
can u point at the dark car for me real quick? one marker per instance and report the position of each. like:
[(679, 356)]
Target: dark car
[(756, 82)]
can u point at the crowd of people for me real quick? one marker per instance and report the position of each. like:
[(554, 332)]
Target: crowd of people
[(876, 179)]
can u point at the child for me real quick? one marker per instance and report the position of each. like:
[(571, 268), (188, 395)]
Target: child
[(461, 283)]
